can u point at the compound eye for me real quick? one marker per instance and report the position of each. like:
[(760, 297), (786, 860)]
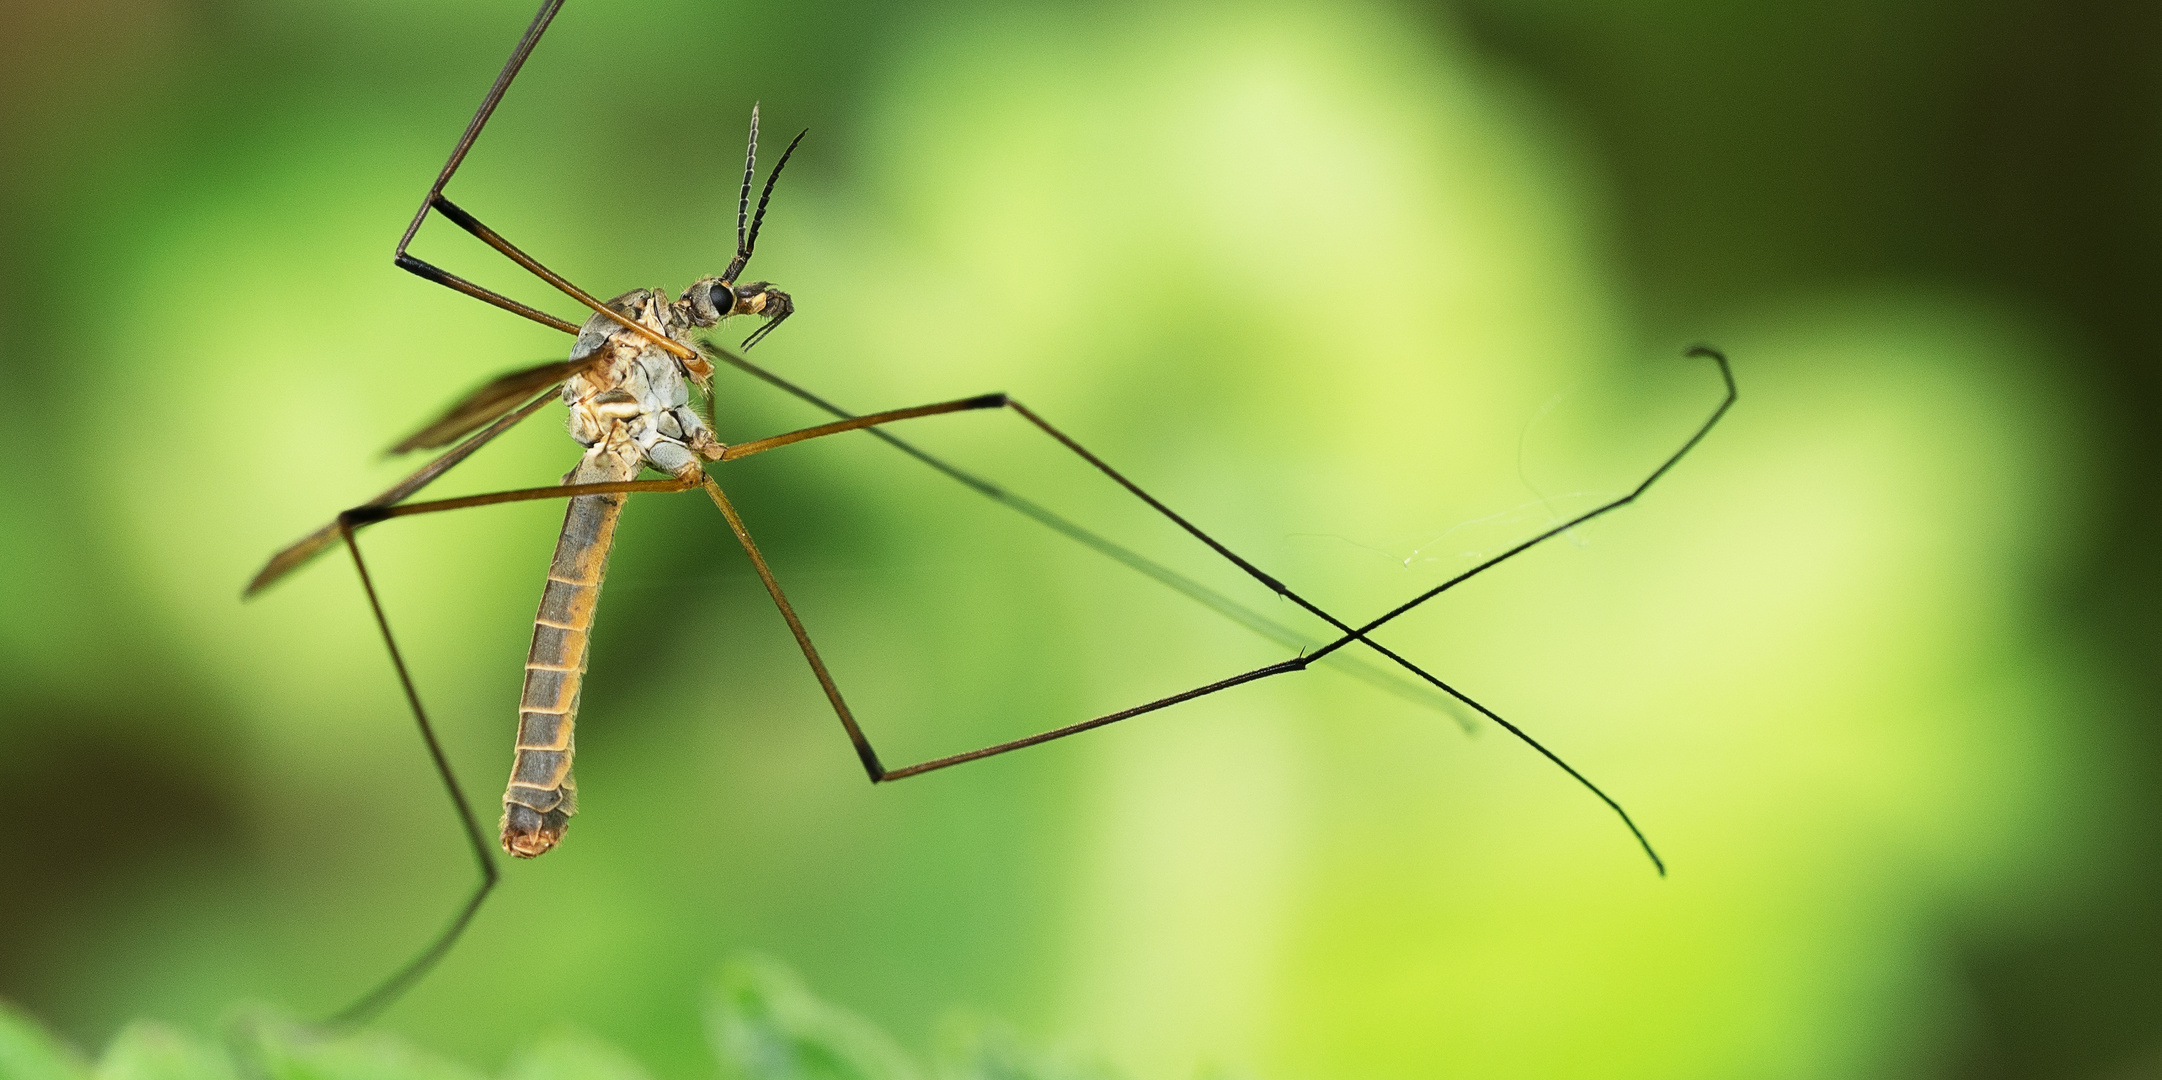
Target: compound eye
[(706, 300)]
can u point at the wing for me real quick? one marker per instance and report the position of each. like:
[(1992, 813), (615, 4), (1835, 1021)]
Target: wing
[(311, 545), (494, 398)]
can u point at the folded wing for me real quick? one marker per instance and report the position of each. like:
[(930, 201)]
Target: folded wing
[(492, 399)]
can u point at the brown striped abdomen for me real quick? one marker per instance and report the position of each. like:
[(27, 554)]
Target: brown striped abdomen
[(541, 798)]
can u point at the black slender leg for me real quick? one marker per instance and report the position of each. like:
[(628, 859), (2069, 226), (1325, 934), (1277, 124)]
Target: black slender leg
[(878, 772), (373, 1002)]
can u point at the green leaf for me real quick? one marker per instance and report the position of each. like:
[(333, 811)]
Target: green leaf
[(978, 1048), (148, 1050), (568, 1056), (276, 1049), (766, 1026)]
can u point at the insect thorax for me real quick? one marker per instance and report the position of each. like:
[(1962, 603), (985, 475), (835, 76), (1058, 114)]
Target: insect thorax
[(634, 402)]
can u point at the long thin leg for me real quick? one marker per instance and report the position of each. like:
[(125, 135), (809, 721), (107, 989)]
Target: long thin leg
[(877, 771), (374, 1000), (367, 515), (436, 201), (1726, 375), (473, 127), (431, 272), (858, 423), (511, 251), (346, 526), (530, 38), (871, 765), (1119, 553)]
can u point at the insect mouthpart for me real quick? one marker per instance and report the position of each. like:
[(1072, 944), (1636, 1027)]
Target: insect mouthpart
[(760, 298)]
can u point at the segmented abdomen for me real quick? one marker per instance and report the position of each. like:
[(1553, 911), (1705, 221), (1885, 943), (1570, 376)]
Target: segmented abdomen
[(541, 798)]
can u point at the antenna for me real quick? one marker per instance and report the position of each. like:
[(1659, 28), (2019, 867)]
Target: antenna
[(765, 196), (743, 202), (747, 241)]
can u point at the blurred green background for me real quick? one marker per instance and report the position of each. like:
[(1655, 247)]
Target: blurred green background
[(1366, 289)]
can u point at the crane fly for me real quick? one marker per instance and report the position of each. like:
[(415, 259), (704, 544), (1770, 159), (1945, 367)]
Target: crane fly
[(637, 363)]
